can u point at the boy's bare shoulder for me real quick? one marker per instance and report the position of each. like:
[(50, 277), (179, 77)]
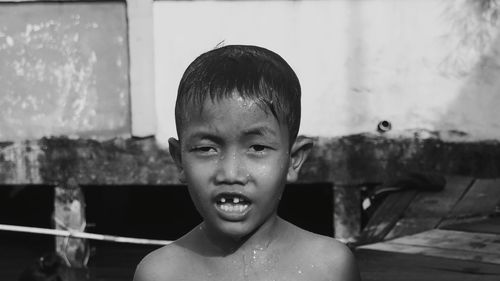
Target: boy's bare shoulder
[(161, 264), (327, 256)]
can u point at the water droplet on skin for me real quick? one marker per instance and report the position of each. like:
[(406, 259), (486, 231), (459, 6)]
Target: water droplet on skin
[(9, 41), (299, 270)]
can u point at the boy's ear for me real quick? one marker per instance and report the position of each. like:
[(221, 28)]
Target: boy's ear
[(174, 147), (299, 152)]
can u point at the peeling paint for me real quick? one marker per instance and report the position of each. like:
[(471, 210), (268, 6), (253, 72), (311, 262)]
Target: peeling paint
[(57, 74), (23, 159)]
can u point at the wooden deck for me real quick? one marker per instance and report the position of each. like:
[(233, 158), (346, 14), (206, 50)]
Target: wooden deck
[(450, 235), (460, 252)]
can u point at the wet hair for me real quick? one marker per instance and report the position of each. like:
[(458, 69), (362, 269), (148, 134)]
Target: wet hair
[(251, 72)]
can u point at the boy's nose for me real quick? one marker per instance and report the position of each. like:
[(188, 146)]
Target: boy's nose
[(231, 170)]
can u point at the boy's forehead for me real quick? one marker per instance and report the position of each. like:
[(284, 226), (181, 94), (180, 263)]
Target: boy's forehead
[(219, 107), (236, 109), (235, 102)]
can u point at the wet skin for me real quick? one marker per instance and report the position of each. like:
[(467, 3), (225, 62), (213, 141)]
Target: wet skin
[(234, 148), (236, 158)]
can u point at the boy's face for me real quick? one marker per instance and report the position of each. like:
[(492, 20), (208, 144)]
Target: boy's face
[(235, 159)]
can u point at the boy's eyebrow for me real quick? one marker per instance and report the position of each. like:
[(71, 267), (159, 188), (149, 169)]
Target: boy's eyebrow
[(204, 135), (259, 131), (255, 131)]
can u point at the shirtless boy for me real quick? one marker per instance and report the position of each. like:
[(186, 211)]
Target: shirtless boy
[(237, 117)]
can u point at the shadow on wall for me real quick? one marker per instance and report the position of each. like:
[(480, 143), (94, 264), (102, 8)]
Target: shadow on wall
[(475, 111)]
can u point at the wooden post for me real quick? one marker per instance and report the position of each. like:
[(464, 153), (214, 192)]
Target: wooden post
[(347, 213), (69, 214)]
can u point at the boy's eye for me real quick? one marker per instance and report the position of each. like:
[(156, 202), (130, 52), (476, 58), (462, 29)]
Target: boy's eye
[(259, 148), (204, 149)]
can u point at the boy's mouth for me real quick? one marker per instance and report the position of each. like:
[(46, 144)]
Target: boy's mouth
[(232, 202)]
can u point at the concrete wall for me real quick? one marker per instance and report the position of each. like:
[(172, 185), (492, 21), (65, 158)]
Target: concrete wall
[(429, 67), (422, 65), (425, 66), (64, 70)]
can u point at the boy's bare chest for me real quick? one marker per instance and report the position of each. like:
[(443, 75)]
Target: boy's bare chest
[(253, 268)]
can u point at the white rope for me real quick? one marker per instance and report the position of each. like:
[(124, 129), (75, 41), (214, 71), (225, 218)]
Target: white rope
[(83, 235)]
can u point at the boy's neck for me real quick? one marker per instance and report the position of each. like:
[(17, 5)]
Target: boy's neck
[(260, 239)]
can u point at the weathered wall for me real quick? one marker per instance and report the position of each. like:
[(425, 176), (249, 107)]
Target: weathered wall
[(409, 62), (422, 65), (348, 160), (64, 70), (115, 162)]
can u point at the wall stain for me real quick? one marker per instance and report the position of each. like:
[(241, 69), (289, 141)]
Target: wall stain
[(19, 163), (349, 160)]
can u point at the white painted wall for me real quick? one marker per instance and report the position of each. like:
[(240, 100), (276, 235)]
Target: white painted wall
[(359, 62)]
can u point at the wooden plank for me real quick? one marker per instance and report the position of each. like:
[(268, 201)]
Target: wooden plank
[(386, 216), (488, 225), (429, 208), (436, 252), (392, 266), (456, 240), (481, 200), (447, 244)]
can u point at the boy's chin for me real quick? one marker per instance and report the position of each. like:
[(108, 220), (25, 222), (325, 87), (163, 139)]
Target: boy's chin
[(237, 231), (234, 230)]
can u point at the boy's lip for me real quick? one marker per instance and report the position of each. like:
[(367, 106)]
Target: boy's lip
[(232, 206)]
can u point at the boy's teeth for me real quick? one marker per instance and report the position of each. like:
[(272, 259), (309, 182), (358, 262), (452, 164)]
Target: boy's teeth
[(233, 208), (231, 200)]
